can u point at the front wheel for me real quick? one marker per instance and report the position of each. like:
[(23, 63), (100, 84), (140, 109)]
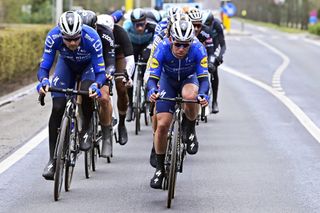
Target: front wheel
[(62, 141), (87, 162)]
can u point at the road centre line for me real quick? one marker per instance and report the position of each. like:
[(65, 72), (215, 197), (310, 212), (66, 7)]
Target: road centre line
[(276, 78), (25, 149), (310, 126)]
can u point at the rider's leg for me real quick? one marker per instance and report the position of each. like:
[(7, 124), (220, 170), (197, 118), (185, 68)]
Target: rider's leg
[(105, 115), (215, 84), (62, 78), (122, 102), (190, 92)]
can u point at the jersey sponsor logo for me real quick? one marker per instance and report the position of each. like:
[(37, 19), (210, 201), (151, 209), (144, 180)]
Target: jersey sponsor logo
[(97, 45), (88, 37), (108, 39), (101, 64), (48, 50), (49, 42), (154, 63), (55, 36), (99, 55), (204, 62)]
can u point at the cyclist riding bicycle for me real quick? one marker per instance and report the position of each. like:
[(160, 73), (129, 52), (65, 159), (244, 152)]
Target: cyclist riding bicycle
[(80, 54), (180, 66), (124, 61), (219, 43), (105, 113), (141, 33), (159, 38)]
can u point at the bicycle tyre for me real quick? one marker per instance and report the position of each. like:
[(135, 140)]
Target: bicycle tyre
[(173, 166), (87, 162), (95, 143), (60, 161), (147, 119), (137, 109)]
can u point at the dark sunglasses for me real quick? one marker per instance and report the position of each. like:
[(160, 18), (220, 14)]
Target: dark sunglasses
[(179, 45), (139, 24), (68, 39), (197, 25)]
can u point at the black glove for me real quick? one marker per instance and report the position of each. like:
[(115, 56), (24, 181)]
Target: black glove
[(211, 67), (218, 60)]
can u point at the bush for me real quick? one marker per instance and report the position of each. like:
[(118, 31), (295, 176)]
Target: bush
[(315, 29), (21, 49)]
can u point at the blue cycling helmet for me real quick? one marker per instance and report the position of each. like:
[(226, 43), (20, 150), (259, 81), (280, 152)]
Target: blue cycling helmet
[(138, 15)]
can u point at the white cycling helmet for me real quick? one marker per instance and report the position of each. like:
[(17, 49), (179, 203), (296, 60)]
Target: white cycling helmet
[(182, 31), (172, 11), (195, 14), (70, 23), (106, 20)]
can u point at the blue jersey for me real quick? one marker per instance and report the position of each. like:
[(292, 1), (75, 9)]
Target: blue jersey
[(89, 51), (139, 39), (161, 26), (179, 69)]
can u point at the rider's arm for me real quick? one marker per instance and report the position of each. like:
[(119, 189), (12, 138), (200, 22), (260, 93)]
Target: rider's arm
[(107, 39), (97, 60), (53, 40), (155, 67), (202, 69), (125, 43), (220, 37)]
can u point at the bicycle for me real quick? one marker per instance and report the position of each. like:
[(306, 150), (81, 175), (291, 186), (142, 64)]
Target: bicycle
[(176, 148), (67, 146), (139, 100)]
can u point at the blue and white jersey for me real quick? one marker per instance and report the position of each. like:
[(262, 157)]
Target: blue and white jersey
[(139, 39), (89, 51), (164, 61), (161, 26)]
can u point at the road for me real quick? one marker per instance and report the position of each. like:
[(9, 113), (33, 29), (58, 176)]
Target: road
[(256, 155)]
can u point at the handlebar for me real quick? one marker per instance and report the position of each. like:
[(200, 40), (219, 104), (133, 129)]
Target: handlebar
[(67, 91)]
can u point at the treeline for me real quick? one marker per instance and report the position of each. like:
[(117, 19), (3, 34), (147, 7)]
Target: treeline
[(292, 13)]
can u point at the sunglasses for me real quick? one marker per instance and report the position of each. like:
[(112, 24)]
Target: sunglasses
[(68, 39), (183, 45), (139, 24), (197, 25)]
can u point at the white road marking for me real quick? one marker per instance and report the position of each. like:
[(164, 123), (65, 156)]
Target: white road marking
[(21, 152), (310, 126), (312, 41), (276, 78)]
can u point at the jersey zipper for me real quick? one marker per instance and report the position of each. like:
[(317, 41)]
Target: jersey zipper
[(179, 70)]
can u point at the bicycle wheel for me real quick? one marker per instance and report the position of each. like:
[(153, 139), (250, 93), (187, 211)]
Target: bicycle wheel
[(87, 162), (60, 161), (167, 160), (137, 109), (95, 137), (173, 165), (71, 156)]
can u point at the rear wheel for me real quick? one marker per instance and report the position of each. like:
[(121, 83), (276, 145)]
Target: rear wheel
[(87, 162), (63, 138)]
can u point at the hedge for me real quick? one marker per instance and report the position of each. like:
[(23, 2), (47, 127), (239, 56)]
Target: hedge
[(315, 29), (21, 48)]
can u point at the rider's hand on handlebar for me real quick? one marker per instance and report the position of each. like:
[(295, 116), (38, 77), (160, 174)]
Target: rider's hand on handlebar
[(153, 95), (128, 83), (94, 91), (43, 86), (203, 99)]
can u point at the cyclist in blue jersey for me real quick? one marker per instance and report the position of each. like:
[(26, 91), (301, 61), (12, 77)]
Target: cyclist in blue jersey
[(80, 55), (180, 66), (141, 33), (162, 25)]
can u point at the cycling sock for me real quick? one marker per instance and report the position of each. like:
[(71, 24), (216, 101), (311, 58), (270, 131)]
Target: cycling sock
[(160, 161), (122, 119)]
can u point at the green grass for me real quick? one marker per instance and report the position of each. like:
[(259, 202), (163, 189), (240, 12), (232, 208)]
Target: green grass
[(273, 26)]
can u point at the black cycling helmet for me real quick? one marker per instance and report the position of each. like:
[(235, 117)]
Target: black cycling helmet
[(88, 17), (138, 15), (207, 18), (154, 15)]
